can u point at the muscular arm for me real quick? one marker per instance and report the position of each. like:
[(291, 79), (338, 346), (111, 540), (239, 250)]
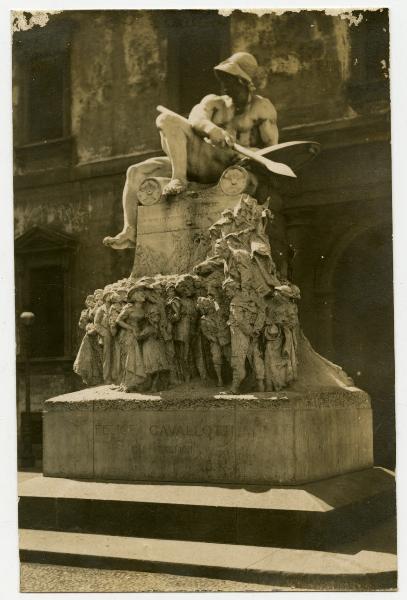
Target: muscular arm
[(268, 123), (201, 120), (201, 115)]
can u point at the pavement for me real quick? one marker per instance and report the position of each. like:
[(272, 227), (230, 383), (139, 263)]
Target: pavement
[(59, 555), (57, 579), (375, 549)]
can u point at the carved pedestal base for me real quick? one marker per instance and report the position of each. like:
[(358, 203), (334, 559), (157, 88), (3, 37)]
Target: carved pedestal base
[(172, 236), (194, 434)]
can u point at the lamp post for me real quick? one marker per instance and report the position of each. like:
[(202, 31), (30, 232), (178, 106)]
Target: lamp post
[(27, 457)]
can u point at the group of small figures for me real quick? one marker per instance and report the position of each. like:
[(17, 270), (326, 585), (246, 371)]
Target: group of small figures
[(233, 318)]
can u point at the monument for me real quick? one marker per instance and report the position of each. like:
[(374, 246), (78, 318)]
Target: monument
[(211, 439), (199, 369)]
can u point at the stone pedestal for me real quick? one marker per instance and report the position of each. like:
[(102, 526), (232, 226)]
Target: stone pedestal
[(172, 236), (197, 435)]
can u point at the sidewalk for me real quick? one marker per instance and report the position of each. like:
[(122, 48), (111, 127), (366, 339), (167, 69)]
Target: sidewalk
[(377, 544), (51, 578)]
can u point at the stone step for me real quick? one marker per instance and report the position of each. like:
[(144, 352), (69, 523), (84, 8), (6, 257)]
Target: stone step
[(310, 516), (351, 568)]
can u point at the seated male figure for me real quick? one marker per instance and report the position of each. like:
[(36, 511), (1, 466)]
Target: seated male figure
[(200, 149)]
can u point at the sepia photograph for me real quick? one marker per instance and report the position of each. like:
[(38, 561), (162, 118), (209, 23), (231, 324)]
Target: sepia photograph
[(204, 306)]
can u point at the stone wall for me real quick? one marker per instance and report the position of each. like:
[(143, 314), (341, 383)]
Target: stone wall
[(306, 55), (113, 102)]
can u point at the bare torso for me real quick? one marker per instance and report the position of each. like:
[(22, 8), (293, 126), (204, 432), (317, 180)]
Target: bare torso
[(255, 126)]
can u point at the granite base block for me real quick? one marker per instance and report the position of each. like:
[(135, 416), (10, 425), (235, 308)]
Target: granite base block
[(196, 435)]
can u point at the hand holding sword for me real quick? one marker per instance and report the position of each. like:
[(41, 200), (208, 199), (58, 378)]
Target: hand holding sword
[(218, 136)]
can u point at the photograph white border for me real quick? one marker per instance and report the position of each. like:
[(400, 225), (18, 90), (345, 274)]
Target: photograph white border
[(9, 566)]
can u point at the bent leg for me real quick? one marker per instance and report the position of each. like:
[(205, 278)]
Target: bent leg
[(257, 363), (216, 353), (189, 154), (174, 133), (239, 349), (153, 167)]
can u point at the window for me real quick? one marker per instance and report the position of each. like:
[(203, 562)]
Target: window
[(46, 301), (41, 59), (45, 104), (197, 41)]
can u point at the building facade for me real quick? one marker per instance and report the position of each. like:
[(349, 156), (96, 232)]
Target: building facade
[(85, 91)]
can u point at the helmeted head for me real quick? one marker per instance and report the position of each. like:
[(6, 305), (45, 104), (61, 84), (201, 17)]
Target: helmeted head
[(242, 65), (239, 76)]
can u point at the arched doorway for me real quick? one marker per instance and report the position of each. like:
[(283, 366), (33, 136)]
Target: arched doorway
[(363, 328)]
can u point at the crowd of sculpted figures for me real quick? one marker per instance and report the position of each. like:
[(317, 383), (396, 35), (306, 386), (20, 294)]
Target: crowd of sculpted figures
[(234, 318)]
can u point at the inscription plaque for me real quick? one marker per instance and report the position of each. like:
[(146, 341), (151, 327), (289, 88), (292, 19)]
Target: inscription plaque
[(285, 438), (165, 445)]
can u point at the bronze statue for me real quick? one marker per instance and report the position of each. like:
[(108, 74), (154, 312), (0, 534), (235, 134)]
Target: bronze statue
[(200, 148), (154, 352), (274, 360), (215, 329), (185, 328), (173, 312), (130, 319), (246, 321), (105, 335), (117, 302), (88, 362)]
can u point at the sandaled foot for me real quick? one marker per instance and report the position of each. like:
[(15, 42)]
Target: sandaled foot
[(124, 239), (174, 187)]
